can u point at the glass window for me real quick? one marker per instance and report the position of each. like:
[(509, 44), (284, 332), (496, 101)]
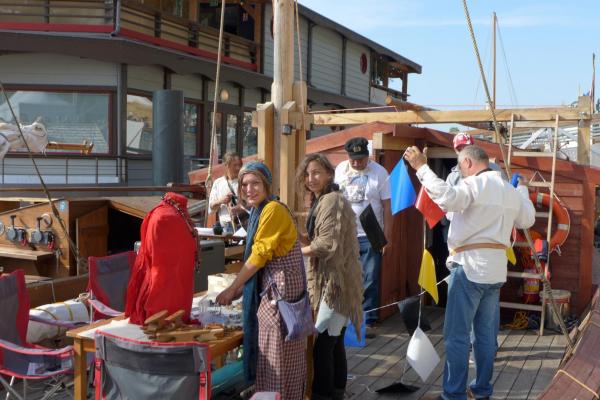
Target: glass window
[(232, 122), (69, 117), (190, 127), (250, 142), (139, 124), (217, 134)]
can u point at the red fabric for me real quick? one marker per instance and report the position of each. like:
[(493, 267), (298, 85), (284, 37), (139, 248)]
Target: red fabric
[(431, 211), (163, 274)]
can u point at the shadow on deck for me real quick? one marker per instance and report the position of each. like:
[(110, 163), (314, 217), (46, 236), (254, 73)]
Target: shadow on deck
[(525, 363)]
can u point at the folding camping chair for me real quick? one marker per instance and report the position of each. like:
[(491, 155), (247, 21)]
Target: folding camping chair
[(19, 359), (108, 280), (131, 369)]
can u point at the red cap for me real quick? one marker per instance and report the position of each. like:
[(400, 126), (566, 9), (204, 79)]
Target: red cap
[(462, 139)]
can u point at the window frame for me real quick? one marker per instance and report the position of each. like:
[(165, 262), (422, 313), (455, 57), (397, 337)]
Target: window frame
[(111, 112)]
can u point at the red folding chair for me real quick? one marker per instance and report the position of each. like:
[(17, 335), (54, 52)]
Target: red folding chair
[(19, 359), (131, 369), (108, 279)]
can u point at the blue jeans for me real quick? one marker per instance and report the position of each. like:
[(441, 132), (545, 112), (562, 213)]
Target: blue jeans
[(371, 267), (475, 305)]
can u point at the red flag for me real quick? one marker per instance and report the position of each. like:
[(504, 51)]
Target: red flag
[(431, 211)]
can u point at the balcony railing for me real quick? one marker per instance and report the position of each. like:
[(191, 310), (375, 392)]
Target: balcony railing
[(127, 18)]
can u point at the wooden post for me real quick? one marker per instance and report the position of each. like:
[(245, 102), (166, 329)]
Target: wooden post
[(264, 122), (584, 143), (281, 89), (494, 20)]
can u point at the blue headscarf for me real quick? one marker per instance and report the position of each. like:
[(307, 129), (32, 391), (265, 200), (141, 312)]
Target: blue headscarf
[(251, 297)]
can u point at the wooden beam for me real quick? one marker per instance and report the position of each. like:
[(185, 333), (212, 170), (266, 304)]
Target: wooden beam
[(439, 117), (283, 81), (441, 152), (287, 157), (381, 141), (264, 120), (584, 143)]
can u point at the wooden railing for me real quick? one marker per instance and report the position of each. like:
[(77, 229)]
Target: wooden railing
[(127, 18)]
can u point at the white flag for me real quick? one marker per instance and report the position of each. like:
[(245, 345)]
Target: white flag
[(421, 354)]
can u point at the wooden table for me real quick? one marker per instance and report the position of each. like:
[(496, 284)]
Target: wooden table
[(82, 345)]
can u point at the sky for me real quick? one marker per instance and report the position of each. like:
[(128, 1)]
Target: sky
[(544, 47)]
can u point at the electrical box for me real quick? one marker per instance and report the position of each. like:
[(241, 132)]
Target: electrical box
[(210, 262)]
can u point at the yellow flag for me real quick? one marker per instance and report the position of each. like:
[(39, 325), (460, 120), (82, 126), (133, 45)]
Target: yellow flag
[(510, 254), (427, 278)]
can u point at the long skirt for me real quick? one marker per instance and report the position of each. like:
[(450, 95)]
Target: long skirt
[(281, 365)]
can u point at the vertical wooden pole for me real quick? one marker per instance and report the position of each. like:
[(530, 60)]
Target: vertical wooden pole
[(265, 114), (584, 142), (281, 89), (494, 20)]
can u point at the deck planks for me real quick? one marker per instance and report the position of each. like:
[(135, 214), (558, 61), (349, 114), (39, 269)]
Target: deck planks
[(525, 363)]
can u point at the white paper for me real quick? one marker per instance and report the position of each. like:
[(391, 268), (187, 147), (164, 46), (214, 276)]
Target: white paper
[(204, 231), (240, 232), (121, 328), (421, 354)]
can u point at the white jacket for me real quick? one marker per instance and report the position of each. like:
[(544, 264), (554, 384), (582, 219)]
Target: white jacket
[(485, 207)]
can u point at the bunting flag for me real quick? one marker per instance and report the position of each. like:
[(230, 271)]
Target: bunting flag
[(430, 210), (421, 354), (402, 190), (510, 254), (427, 278)]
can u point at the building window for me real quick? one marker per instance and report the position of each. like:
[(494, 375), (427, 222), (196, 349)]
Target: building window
[(69, 117), (237, 20), (250, 141), (232, 125), (217, 133), (190, 129), (139, 124)]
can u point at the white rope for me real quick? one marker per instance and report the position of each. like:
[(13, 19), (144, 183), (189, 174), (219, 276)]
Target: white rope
[(400, 301), (213, 128)]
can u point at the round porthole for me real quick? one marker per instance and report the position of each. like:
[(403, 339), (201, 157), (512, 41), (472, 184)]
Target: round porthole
[(364, 63)]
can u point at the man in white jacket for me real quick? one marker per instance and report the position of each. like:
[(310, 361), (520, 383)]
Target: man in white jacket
[(485, 208)]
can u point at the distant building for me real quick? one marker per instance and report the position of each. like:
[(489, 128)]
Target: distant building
[(89, 69)]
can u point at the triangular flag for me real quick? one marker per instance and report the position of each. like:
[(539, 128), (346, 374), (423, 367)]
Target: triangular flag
[(402, 190), (430, 210), (421, 354), (510, 254), (427, 278)]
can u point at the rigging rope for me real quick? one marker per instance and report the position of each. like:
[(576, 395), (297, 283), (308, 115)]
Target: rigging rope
[(55, 212), (213, 128), (546, 284), (512, 91)]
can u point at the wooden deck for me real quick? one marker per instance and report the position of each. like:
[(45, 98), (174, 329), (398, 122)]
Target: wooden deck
[(525, 363)]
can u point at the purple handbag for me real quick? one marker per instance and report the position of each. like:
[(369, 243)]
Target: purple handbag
[(297, 316)]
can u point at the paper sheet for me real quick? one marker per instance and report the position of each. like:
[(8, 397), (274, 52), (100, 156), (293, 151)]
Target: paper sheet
[(121, 328), (421, 354)]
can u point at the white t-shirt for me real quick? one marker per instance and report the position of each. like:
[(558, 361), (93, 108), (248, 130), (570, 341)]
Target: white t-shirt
[(485, 207), (219, 190), (370, 185)]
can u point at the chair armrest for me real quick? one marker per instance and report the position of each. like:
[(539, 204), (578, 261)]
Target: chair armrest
[(103, 308), (35, 351)]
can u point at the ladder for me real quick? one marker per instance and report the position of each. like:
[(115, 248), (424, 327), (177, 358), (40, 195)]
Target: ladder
[(542, 184)]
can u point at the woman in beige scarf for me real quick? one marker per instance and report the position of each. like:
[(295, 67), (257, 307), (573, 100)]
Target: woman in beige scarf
[(334, 273)]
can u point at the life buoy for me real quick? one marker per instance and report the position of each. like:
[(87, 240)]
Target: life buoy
[(560, 215)]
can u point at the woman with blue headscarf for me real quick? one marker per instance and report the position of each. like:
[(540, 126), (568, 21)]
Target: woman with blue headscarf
[(272, 258)]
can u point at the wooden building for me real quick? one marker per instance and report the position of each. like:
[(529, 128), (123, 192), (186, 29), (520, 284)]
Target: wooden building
[(89, 69)]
